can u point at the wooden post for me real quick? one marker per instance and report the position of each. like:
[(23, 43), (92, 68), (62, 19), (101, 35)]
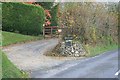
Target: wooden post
[(44, 32), (51, 32)]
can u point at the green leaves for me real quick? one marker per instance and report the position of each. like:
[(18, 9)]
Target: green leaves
[(54, 14), (23, 18), (83, 16)]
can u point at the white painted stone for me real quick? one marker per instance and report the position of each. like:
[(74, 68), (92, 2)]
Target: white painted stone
[(76, 52), (76, 55)]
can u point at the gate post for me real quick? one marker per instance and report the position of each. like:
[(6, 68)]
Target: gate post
[(51, 31), (43, 32)]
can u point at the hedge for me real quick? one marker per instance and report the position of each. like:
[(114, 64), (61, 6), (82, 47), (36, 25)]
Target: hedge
[(45, 5), (23, 18)]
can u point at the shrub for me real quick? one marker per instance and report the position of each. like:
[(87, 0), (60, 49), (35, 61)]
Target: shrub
[(22, 18), (54, 12), (45, 5)]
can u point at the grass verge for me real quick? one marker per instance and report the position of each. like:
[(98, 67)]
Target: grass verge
[(99, 49), (9, 70), (9, 38), (0, 64)]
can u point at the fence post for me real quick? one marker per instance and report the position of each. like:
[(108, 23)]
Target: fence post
[(51, 31), (44, 32)]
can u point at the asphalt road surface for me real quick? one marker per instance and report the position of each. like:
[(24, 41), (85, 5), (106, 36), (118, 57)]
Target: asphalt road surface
[(29, 57), (102, 66)]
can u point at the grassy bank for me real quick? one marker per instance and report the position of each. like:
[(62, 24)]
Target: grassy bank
[(9, 70), (9, 38), (99, 49), (0, 64)]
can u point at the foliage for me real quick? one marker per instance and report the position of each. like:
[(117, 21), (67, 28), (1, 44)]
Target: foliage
[(22, 18), (91, 23), (51, 11), (54, 15), (12, 38), (48, 16), (98, 49), (45, 5), (0, 16)]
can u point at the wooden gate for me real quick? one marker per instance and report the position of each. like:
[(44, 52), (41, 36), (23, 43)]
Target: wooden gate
[(50, 31)]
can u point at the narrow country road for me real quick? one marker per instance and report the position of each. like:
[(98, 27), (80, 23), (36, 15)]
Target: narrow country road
[(29, 57), (102, 66)]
